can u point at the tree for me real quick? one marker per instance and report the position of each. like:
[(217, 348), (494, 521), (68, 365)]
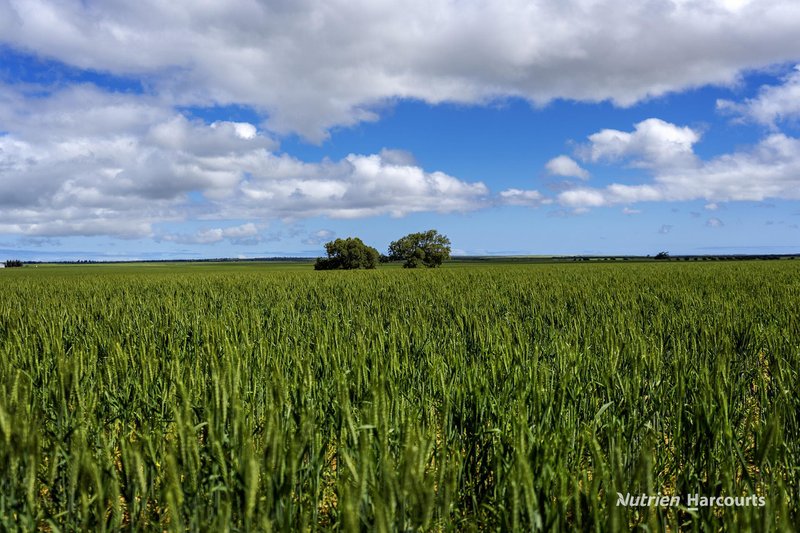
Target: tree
[(662, 255), (347, 254), (13, 263), (429, 248)]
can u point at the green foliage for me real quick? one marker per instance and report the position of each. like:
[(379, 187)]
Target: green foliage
[(662, 255), (429, 248), (347, 254), (11, 263), (479, 398)]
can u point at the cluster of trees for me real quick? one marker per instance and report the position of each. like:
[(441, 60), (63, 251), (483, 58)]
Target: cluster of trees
[(429, 248), (347, 254), (13, 263)]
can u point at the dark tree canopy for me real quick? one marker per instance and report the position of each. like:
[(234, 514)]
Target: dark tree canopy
[(429, 248), (13, 263), (347, 254), (662, 255)]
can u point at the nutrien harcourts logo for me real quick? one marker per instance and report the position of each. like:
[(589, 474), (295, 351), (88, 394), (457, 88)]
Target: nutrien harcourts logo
[(692, 501)]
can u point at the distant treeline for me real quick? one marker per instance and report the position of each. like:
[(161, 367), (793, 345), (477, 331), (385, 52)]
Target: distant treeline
[(216, 260), (595, 258), (740, 257), (456, 259)]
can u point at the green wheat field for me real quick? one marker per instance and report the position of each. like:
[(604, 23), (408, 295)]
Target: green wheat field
[(497, 397)]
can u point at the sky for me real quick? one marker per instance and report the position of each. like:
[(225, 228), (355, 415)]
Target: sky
[(261, 128)]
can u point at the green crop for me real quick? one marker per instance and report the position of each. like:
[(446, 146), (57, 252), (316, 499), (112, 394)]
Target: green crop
[(512, 397)]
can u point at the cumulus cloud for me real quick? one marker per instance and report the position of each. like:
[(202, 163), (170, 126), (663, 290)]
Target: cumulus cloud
[(314, 64), (83, 162), (652, 143), (356, 186), (522, 197), (218, 139), (88, 226), (243, 234), (582, 197), (774, 103), (771, 169), (567, 167)]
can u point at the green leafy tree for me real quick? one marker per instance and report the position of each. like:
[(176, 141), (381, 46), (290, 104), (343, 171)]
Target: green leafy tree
[(429, 248), (347, 254)]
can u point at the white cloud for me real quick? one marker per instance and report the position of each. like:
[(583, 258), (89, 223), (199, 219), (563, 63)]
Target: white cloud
[(243, 234), (91, 224), (313, 64), (583, 198), (567, 167), (771, 169), (239, 232), (357, 186), (714, 223), (83, 162), (774, 103), (523, 197), (652, 143), (39, 113), (217, 139), (629, 211)]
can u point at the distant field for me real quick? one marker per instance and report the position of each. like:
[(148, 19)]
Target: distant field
[(257, 396)]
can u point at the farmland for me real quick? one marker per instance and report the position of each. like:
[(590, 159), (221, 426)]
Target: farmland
[(500, 397)]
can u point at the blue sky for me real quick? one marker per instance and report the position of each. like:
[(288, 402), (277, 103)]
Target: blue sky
[(248, 129)]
